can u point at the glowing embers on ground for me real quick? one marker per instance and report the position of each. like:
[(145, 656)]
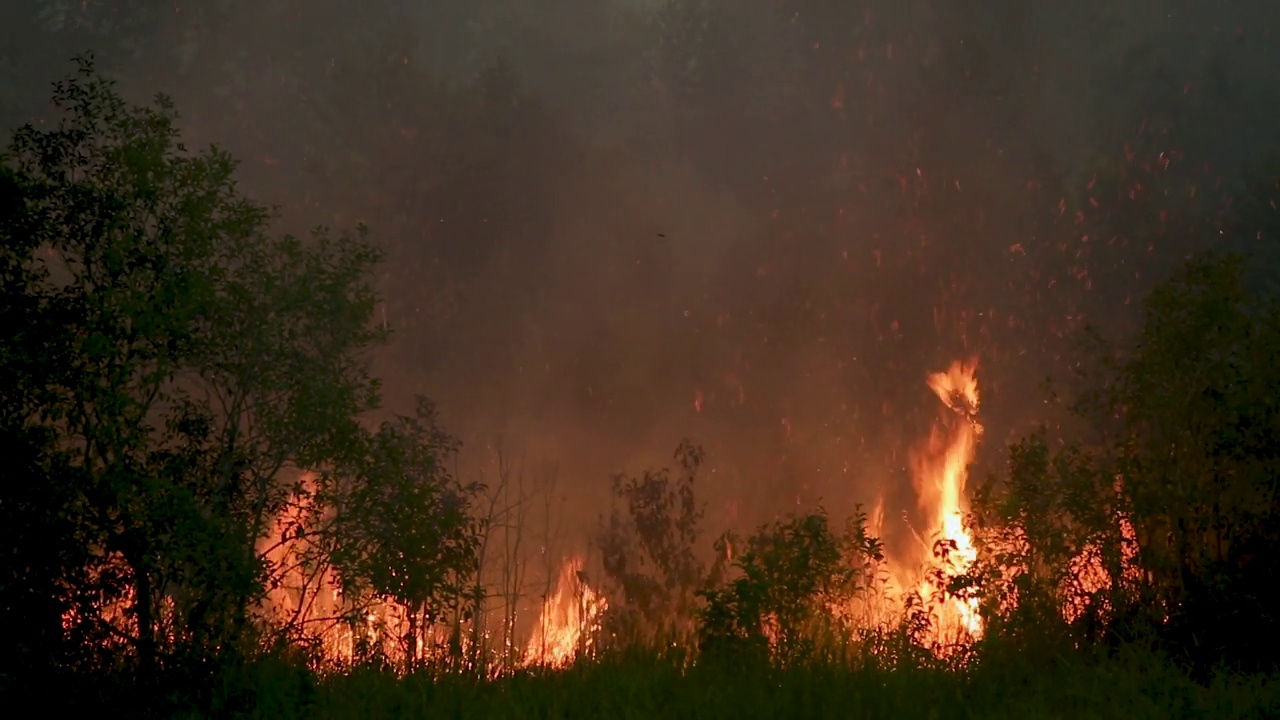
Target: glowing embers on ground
[(570, 619), (939, 468)]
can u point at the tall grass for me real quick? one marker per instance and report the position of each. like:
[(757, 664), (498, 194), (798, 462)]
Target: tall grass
[(1132, 683)]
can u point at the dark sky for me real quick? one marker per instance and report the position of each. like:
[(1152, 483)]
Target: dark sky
[(603, 215)]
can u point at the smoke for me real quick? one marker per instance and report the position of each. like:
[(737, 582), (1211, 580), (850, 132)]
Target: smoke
[(759, 224)]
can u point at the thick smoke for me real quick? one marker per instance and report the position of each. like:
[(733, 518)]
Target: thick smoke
[(755, 223)]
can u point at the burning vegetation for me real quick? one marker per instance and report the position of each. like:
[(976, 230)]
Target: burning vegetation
[(569, 622), (219, 484)]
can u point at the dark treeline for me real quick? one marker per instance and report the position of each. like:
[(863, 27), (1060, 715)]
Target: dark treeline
[(183, 390)]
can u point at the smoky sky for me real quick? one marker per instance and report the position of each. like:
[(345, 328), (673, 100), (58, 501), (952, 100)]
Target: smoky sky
[(611, 224)]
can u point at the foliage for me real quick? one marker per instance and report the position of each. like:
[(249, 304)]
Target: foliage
[(796, 580), (404, 528), (648, 551), (172, 366), (1134, 685), (178, 378), (1177, 497), (1052, 507)]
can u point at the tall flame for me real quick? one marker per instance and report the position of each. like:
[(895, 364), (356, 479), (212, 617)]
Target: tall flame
[(940, 471), (570, 619)]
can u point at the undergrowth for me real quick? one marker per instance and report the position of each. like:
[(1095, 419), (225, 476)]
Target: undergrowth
[(1132, 683)]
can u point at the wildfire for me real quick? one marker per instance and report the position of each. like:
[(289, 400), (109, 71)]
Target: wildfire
[(1090, 573), (305, 596), (940, 470), (570, 619)]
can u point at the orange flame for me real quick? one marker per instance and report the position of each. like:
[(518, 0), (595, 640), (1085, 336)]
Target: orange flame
[(1091, 575), (570, 619), (940, 470), (306, 596), (308, 599)]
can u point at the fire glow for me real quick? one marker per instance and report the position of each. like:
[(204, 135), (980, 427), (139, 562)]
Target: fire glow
[(939, 468), (570, 619), (571, 615), (940, 472)]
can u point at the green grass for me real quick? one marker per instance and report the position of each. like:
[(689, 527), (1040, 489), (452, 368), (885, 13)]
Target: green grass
[(1136, 685)]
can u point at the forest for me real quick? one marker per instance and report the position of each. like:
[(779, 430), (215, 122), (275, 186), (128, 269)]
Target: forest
[(416, 459)]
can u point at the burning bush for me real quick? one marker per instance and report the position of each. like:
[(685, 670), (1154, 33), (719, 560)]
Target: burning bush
[(1155, 528), (176, 368), (404, 532)]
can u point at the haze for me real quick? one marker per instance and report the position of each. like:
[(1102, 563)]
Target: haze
[(758, 224)]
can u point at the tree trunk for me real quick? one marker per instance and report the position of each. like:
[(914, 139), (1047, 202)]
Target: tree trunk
[(411, 642), (144, 615)]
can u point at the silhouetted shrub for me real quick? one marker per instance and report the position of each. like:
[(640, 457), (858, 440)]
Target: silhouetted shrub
[(790, 585)]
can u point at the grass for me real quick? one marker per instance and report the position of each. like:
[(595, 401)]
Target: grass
[(1132, 685)]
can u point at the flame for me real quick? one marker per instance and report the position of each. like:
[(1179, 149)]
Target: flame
[(570, 619), (940, 471), (875, 519), (307, 596), (309, 599), (1090, 573)]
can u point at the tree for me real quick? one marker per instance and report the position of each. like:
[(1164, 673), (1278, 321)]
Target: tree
[(1175, 496), (794, 578), (648, 551), (404, 528), (172, 363)]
